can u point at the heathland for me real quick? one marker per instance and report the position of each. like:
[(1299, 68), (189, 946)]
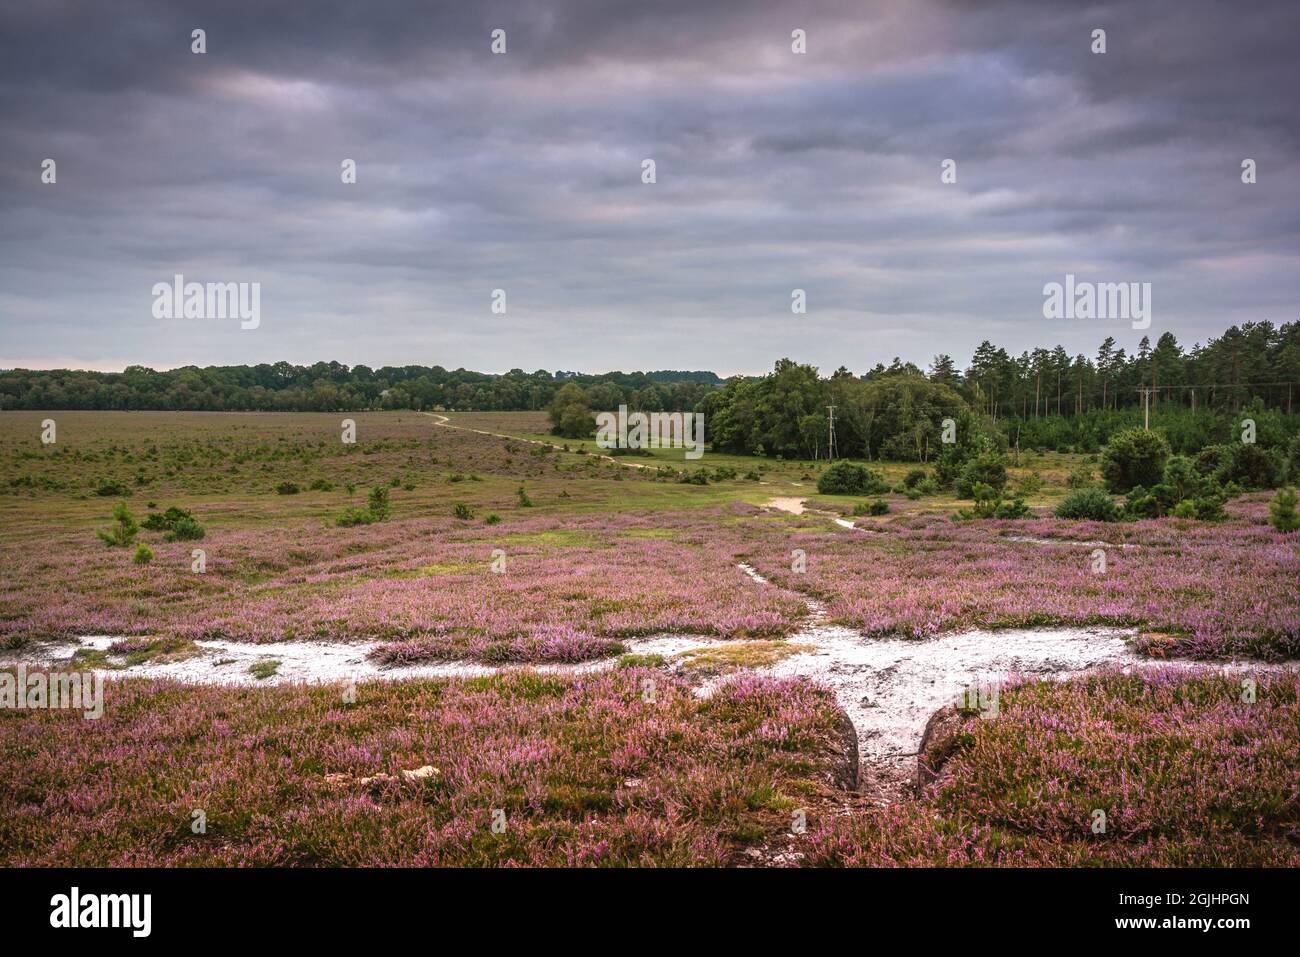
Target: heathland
[(621, 641)]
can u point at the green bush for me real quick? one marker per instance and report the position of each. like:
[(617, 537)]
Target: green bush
[(378, 503), (1088, 503), (915, 477), (376, 511), (1082, 477), (1133, 457), (1030, 484), (1250, 466), (322, 485), (1142, 503), (462, 511), (112, 488), (1182, 480), (986, 468), (1282, 511), (123, 533), (287, 488), (877, 507), (185, 530), (1292, 461), (522, 496), (849, 478), (353, 516), (989, 504), (179, 525), (143, 554)]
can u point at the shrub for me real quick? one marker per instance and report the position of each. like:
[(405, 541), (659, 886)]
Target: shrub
[(112, 488), (1207, 460), (1292, 461), (1184, 509), (915, 477), (1142, 504), (462, 511), (522, 496), (1209, 506), (1250, 466), (1182, 480), (1282, 511), (986, 468), (989, 504), (493, 519), (848, 478), (287, 488), (322, 485), (179, 525), (185, 530), (123, 533), (378, 503), (143, 554), (376, 511), (1082, 477), (1088, 503), (164, 521), (878, 507), (353, 516), (1030, 484), (1134, 457)]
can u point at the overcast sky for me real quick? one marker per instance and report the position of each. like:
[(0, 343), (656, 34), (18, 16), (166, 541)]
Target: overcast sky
[(523, 171)]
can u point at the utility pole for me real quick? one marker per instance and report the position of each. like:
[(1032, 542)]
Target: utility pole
[(830, 445), (1146, 408)]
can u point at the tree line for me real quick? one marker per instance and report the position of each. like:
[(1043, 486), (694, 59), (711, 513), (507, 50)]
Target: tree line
[(1042, 398)]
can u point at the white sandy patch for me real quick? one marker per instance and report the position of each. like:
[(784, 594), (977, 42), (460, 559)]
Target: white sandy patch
[(891, 686), (318, 662)]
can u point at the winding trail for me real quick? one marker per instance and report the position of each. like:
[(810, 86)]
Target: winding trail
[(446, 424)]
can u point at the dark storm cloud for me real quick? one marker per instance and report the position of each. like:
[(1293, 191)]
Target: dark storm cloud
[(522, 172)]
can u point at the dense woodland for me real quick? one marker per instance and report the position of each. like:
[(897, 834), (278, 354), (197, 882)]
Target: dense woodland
[(1044, 398)]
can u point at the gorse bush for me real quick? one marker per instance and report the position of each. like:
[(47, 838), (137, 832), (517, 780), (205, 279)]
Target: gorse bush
[(1134, 457), (849, 478), (1089, 503)]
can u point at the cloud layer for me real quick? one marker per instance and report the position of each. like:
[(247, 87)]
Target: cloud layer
[(523, 172)]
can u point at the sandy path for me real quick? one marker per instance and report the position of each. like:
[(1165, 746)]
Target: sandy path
[(446, 423)]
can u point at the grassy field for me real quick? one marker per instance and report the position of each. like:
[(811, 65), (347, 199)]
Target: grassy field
[(503, 545)]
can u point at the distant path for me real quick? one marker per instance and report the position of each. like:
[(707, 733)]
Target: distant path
[(446, 423)]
